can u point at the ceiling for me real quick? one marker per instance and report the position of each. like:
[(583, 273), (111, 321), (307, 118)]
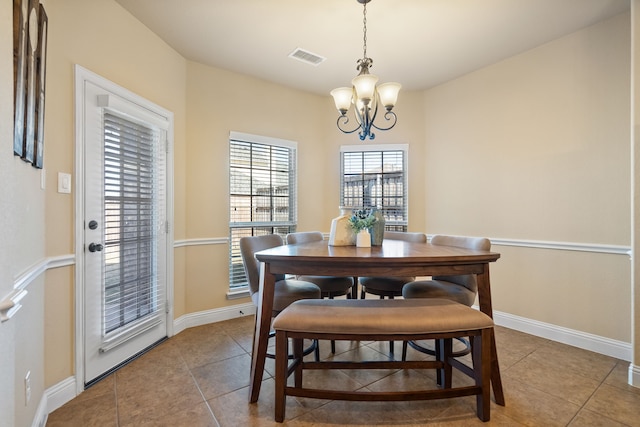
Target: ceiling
[(418, 43)]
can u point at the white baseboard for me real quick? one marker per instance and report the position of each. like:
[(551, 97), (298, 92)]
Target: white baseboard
[(53, 398), (212, 316), (609, 347), (634, 375)]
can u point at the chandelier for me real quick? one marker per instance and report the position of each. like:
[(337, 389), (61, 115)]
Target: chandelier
[(366, 96)]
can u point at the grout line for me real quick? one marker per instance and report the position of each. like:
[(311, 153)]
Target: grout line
[(115, 393), (204, 399)]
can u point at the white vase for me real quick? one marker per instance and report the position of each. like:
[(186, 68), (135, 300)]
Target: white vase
[(363, 239), (341, 233)]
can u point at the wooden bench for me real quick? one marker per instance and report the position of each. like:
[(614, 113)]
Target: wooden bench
[(384, 320)]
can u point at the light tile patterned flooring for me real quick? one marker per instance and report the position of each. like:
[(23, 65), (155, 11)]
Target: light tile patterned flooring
[(200, 378)]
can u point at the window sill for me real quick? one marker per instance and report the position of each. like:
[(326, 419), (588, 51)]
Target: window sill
[(238, 293)]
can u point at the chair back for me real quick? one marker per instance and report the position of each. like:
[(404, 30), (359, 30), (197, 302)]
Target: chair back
[(406, 236), (304, 237), (248, 247), (478, 243)]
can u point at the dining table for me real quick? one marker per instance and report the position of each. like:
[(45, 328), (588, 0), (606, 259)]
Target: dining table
[(392, 258)]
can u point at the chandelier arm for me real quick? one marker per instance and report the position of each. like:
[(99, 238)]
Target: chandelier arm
[(365, 119), (388, 116), (343, 120)]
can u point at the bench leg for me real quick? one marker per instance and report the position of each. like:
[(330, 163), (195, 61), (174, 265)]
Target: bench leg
[(482, 370), (282, 356)]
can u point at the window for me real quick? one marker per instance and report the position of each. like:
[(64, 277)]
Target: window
[(133, 191), (262, 193), (376, 176)]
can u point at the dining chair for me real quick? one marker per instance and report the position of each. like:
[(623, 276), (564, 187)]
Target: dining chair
[(461, 288), (389, 286), (286, 291), (330, 286)]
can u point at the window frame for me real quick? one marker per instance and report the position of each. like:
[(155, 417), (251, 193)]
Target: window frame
[(392, 224), (239, 288)]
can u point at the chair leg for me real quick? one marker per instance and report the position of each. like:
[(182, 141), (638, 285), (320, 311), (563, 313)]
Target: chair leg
[(333, 342), (404, 351), (443, 354), (448, 370), (390, 342), (298, 355)]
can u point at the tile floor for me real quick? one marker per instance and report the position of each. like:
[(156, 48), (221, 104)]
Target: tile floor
[(200, 378)]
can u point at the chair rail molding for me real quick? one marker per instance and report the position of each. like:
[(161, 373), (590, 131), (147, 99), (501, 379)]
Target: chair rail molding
[(10, 304), (560, 246), (201, 242), (564, 246)]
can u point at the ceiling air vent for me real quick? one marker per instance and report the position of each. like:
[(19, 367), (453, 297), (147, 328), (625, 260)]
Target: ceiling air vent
[(306, 57)]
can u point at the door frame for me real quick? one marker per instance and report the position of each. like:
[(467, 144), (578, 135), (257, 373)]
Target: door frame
[(82, 75)]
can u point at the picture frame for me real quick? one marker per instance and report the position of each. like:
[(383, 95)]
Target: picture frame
[(30, 23), (41, 68), (20, 14)]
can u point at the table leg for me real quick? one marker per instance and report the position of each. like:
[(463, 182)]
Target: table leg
[(354, 288), (261, 333), (484, 299)]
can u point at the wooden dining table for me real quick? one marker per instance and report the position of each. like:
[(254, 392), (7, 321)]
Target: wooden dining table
[(392, 258)]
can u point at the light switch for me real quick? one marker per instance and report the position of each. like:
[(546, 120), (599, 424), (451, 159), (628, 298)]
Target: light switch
[(64, 182)]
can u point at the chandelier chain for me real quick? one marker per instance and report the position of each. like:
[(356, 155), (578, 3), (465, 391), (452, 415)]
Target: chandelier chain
[(364, 30)]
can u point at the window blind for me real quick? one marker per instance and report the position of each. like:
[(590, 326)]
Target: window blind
[(376, 179), (262, 194), (134, 165)]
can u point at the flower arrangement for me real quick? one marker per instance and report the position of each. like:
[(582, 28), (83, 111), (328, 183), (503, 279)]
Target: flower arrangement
[(362, 219)]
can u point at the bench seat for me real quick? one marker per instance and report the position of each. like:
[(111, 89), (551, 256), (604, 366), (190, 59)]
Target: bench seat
[(384, 320)]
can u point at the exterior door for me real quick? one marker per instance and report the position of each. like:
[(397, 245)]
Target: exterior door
[(125, 229)]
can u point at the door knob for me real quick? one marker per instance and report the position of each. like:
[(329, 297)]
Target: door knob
[(95, 247)]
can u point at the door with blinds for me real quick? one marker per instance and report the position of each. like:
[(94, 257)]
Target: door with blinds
[(125, 230)]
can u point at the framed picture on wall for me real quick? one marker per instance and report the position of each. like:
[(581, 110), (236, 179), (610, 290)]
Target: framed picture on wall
[(20, 16), (41, 68), (30, 39)]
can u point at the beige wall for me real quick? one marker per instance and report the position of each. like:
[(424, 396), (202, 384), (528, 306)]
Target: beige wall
[(22, 213), (9, 168), (635, 195), (536, 148), (219, 102), (130, 55)]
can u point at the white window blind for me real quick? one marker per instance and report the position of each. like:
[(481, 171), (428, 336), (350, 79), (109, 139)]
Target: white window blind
[(374, 176), (134, 159), (262, 193)]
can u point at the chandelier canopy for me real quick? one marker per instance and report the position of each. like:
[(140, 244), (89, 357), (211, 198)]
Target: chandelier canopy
[(365, 95)]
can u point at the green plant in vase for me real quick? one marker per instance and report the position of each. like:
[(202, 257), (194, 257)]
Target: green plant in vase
[(361, 221)]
